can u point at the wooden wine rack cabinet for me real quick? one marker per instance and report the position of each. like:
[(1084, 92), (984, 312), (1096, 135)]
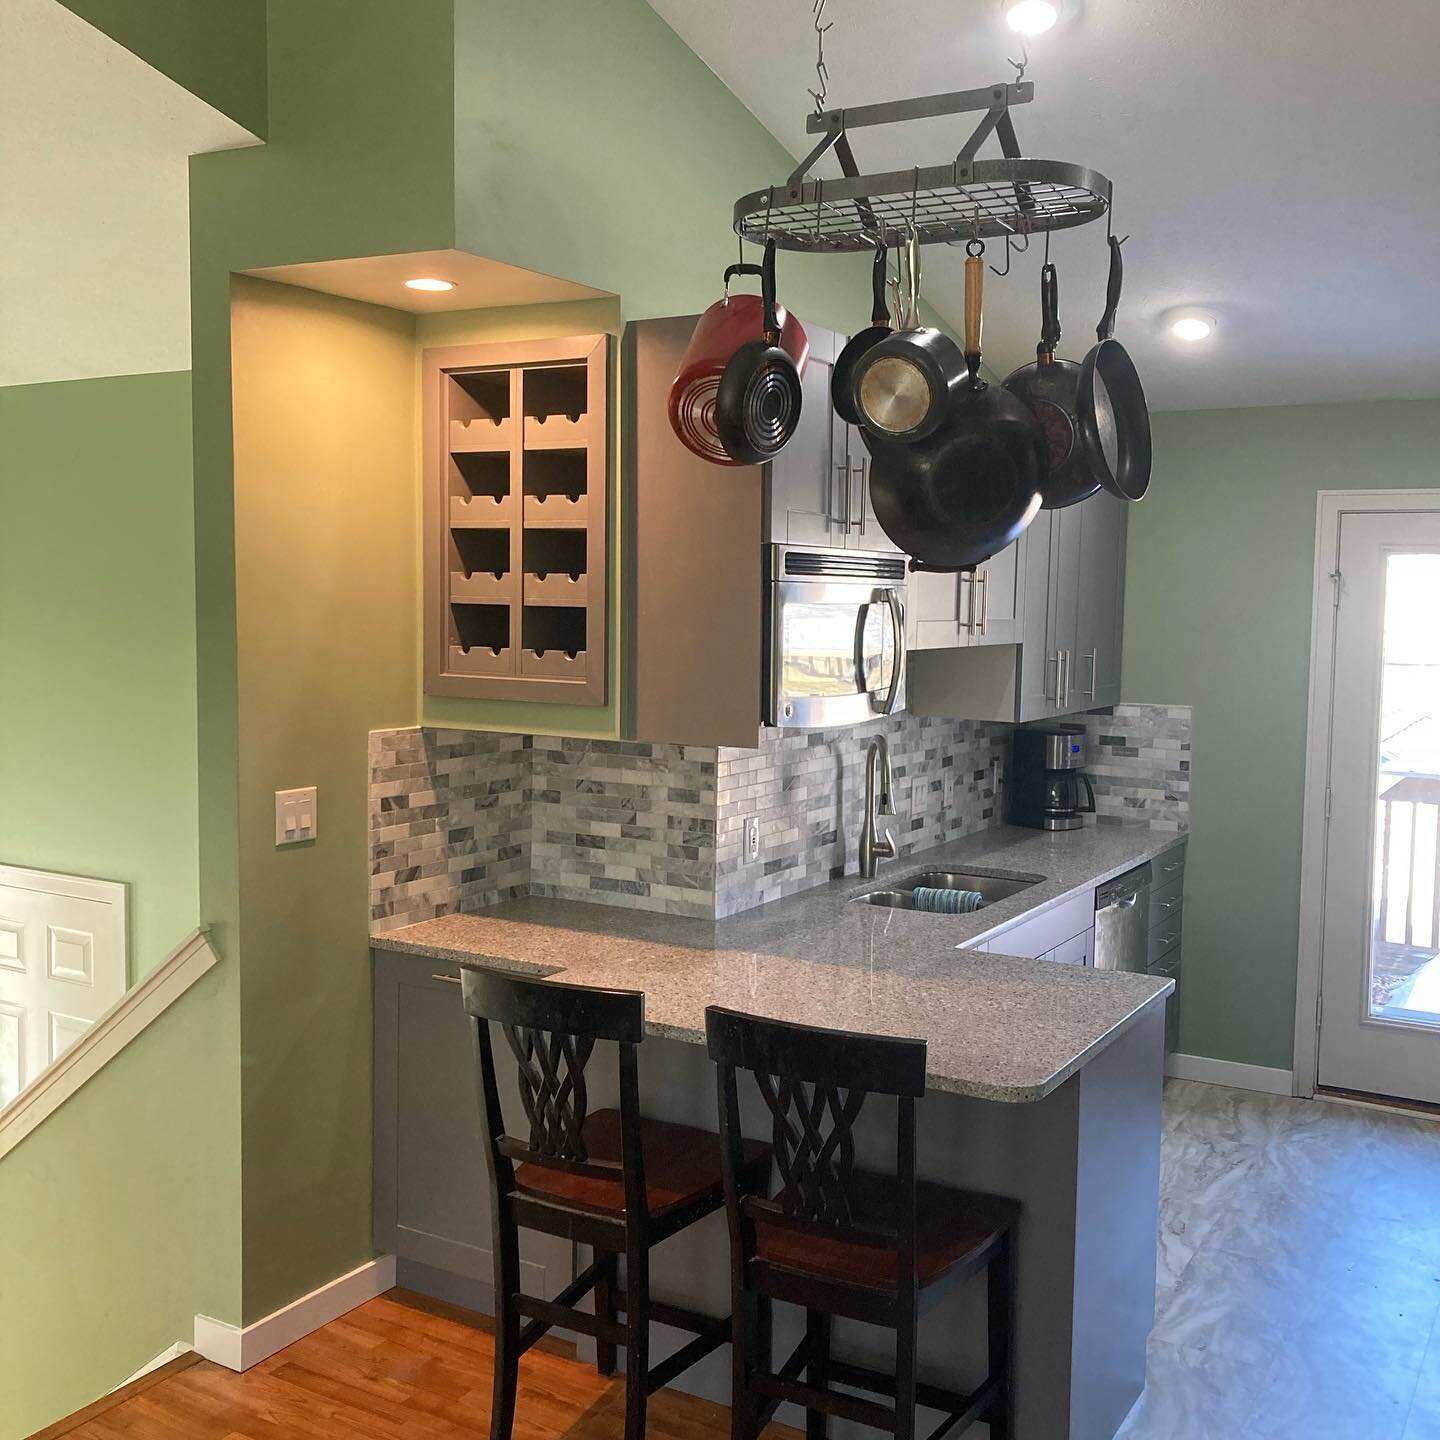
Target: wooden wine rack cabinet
[(516, 460)]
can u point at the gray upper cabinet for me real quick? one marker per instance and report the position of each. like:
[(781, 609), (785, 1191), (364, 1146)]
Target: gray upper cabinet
[(1099, 616), (816, 487), (1052, 643), (980, 607)]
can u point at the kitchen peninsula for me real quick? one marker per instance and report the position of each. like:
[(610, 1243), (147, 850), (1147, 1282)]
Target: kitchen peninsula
[(1044, 1082)]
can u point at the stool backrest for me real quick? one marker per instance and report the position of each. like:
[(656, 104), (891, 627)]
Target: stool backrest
[(815, 1083), (551, 1030)]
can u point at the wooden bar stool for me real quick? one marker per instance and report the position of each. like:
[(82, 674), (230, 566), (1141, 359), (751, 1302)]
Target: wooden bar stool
[(613, 1180), (838, 1241)]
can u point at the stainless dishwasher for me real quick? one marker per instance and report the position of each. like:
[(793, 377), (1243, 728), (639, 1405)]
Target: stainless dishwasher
[(1122, 918)]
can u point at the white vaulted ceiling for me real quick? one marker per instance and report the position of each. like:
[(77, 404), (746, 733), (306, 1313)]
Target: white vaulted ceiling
[(1277, 163), (94, 229)]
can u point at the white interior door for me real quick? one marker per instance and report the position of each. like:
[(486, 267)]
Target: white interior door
[(62, 966), (1380, 944)]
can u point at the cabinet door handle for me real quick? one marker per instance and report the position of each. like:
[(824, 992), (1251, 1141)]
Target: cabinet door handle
[(448, 979), (1094, 674), (984, 599), (1055, 661), (860, 523), (1062, 678), (842, 468)]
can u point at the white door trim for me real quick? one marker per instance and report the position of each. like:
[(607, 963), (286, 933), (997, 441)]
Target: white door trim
[(1331, 506)]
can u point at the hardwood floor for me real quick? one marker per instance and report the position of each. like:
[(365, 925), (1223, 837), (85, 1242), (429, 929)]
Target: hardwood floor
[(399, 1368)]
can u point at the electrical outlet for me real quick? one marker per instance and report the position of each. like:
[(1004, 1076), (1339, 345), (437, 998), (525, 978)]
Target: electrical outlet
[(751, 840), (948, 784), (297, 816)]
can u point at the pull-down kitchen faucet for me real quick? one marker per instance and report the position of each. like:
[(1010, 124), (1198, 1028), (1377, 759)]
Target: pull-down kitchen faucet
[(873, 847)]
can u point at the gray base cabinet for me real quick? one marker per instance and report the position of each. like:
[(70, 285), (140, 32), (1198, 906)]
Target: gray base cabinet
[(431, 1197), (1167, 901)]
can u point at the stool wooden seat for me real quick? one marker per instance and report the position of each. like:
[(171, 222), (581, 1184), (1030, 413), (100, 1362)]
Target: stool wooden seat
[(682, 1169), (612, 1180), (840, 1241)]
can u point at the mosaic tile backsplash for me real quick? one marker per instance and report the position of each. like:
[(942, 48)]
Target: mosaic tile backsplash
[(461, 819), (808, 788), (1139, 764)]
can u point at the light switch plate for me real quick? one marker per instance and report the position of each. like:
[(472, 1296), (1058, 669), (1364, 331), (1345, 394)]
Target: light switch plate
[(297, 817)]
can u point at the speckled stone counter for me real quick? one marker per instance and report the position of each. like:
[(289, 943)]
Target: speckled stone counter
[(997, 1027), (1083, 1050)]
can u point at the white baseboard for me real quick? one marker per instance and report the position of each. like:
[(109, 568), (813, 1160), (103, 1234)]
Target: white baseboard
[(174, 1352), (239, 1349), (1232, 1073)]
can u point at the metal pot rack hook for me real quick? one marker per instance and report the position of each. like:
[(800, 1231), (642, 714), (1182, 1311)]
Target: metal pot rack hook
[(1013, 245), (1110, 225)]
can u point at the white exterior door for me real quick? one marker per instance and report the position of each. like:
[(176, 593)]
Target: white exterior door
[(1380, 933), (62, 966)]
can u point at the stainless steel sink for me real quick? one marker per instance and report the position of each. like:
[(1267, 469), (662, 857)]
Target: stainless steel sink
[(993, 885)]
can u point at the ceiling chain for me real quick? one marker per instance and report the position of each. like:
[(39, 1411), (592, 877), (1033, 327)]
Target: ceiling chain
[(822, 73)]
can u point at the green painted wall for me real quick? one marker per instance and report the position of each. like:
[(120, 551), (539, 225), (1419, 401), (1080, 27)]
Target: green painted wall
[(214, 48), (1217, 615), (122, 1216), (97, 643), (325, 499), (359, 161), (129, 1194)]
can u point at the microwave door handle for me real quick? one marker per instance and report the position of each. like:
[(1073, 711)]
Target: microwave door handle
[(897, 625), (862, 683)]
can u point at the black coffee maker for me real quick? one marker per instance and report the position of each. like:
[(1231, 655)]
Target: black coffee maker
[(1045, 783)]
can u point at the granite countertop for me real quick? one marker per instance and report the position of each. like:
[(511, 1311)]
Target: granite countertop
[(997, 1027)]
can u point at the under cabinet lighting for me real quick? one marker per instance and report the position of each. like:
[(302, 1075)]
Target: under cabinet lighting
[(429, 282), (1032, 17)]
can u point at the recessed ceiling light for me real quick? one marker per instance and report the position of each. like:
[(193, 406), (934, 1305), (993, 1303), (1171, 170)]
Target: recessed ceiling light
[(429, 282), (1192, 327), (1031, 17)]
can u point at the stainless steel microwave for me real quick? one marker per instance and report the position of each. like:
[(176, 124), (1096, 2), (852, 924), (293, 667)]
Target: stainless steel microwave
[(834, 649)]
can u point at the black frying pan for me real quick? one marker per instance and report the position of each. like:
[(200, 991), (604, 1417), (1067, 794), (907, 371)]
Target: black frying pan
[(1110, 406), (842, 377), (965, 492), (1049, 387), (757, 403)]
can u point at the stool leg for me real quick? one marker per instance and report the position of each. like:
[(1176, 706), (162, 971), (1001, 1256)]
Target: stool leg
[(637, 1341), (506, 1242), (817, 1370), (605, 1309), (1000, 1296), (749, 1354), (905, 1364)]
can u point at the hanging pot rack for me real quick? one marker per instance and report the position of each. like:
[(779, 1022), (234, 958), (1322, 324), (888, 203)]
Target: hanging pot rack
[(967, 199)]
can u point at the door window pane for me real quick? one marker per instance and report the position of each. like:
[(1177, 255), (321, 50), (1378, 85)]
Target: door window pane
[(1405, 901)]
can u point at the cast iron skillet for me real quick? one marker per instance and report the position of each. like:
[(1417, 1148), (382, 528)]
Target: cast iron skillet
[(957, 497), (842, 377), (1048, 387), (1110, 406), (757, 404)]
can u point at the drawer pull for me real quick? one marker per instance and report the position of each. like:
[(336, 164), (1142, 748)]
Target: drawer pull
[(1170, 939), (1166, 904), (1173, 866), (448, 979)]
